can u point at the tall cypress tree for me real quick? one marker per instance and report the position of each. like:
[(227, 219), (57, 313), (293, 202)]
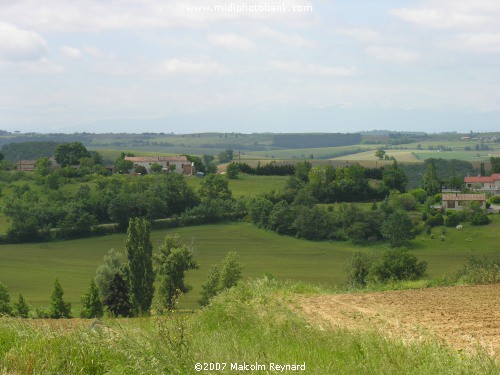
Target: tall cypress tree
[(118, 299), (58, 308), (92, 305), (140, 265), (431, 183)]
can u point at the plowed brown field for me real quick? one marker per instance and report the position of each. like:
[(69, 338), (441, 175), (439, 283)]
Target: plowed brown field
[(466, 317)]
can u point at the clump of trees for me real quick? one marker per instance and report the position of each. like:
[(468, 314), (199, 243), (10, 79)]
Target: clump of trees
[(175, 258), (394, 265), (218, 281)]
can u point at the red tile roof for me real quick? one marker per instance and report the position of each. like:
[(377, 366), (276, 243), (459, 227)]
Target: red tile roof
[(153, 159), (490, 179)]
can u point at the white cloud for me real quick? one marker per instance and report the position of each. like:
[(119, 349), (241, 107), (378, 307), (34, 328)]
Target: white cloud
[(312, 69), (94, 16), (231, 42), (452, 14), (192, 67), (287, 39), (362, 34), (71, 53), (393, 54), (438, 18), (479, 42), (20, 45)]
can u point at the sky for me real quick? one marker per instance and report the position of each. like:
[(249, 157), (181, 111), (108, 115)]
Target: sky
[(249, 66)]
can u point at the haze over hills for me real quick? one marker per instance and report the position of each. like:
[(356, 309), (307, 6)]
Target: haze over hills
[(285, 120)]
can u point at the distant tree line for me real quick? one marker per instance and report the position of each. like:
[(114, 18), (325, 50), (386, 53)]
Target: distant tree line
[(270, 169), (28, 150)]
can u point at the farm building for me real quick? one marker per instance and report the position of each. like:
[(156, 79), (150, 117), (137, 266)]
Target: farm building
[(177, 164), (26, 165), (29, 165), (457, 201), (490, 184)]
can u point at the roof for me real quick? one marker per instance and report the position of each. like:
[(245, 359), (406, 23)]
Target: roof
[(153, 159), (463, 197), (480, 179)]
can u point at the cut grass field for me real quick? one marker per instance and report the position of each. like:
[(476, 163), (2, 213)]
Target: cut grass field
[(246, 185), (31, 268), (402, 156)]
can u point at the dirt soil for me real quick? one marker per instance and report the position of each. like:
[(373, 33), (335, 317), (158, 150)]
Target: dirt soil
[(465, 317)]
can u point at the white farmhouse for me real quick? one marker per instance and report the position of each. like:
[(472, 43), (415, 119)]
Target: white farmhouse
[(176, 164)]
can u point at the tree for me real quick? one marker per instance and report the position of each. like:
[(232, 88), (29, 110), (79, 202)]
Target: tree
[(219, 281), (70, 153), (419, 194), (58, 308), (302, 170), (495, 164), (96, 157), (214, 186), (231, 271), (117, 300), (174, 259), (123, 166), (397, 264), (21, 308), (482, 170), (281, 218), (225, 156), (380, 154), (43, 167), (358, 269), (313, 223), (156, 168), (140, 264), (92, 305), (431, 183), (232, 171), (210, 288), (140, 169), (106, 271), (5, 308), (394, 178), (259, 209), (397, 229)]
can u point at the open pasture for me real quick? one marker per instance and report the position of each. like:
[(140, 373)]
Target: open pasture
[(402, 156), (31, 268)]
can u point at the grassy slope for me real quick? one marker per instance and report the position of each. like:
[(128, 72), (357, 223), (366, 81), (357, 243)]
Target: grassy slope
[(31, 268), (249, 324)]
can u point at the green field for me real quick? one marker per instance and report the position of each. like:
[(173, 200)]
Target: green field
[(31, 268), (246, 185), (459, 155)]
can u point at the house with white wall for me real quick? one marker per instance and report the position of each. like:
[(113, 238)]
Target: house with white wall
[(487, 184), (175, 164)]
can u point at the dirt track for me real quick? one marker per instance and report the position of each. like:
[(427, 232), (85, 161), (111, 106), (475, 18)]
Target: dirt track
[(464, 317)]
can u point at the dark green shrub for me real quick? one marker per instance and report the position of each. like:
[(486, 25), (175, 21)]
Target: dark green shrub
[(435, 220), (480, 218), (495, 199), (397, 264), (358, 269), (452, 220)]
